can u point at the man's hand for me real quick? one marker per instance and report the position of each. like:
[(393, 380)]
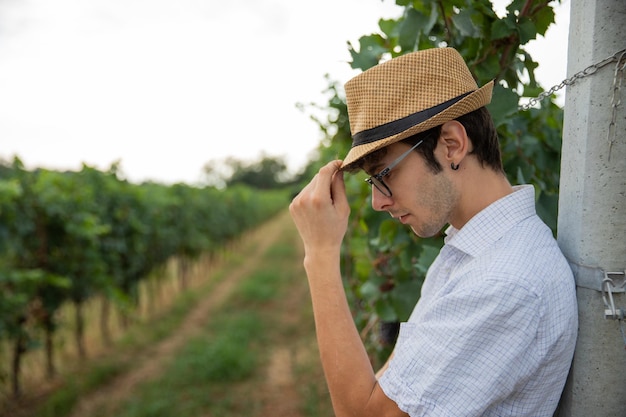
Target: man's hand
[(321, 211)]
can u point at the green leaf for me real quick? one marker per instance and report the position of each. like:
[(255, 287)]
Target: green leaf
[(527, 30), (463, 22), (404, 296), (385, 311), (430, 250), (531, 66), (488, 69), (504, 102), (484, 9), (547, 208), (515, 7), (371, 48), (410, 29), (532, 91), (369, 290), (521, 179), (389, 27), (433, 15), (502, 28), (543, 19)]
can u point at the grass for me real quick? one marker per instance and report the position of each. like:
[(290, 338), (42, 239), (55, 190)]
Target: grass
[(192, 382), (61, 402)]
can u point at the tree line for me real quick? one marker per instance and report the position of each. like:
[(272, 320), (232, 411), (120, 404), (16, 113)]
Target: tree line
[(69, 236)]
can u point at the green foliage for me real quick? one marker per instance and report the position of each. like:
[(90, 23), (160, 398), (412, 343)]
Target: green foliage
[(67, 236), (384, 264)]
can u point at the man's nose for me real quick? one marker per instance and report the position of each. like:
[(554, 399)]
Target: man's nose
[(379, 200)]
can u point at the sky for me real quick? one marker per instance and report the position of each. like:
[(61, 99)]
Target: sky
[(166, 86)]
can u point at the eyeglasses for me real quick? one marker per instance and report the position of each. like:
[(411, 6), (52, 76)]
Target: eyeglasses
[(377, 179)]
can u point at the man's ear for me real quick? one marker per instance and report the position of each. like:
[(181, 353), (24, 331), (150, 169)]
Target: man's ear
[(456, 143)]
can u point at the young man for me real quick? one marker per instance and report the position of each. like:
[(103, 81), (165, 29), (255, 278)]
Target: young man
[(494, 330)]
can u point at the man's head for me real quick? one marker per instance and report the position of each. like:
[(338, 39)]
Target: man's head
[(411, 95), (428, 102)]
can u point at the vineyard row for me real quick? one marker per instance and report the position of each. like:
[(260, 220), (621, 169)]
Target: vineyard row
[(66, 237)]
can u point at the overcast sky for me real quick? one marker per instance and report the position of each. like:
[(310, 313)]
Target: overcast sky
[(165, 86)]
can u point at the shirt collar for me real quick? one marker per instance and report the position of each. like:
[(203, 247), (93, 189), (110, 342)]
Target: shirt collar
[(491, 223)]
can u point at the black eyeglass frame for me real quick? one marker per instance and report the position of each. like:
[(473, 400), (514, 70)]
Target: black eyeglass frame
[(377, 179)]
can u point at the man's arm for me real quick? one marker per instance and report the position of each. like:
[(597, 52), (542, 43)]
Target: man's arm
[(321, 213)]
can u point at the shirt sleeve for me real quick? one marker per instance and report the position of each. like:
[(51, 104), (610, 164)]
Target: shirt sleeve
[(466, 350)]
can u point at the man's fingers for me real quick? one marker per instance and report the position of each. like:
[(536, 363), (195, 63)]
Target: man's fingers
[(338, 191), (325, 178), (320, 210), (325, 174), (325, 189)]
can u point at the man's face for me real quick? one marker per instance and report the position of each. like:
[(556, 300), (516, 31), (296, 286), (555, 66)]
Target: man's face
[(421, 199)]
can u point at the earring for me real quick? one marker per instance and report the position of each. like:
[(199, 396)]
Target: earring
[(454, 167)]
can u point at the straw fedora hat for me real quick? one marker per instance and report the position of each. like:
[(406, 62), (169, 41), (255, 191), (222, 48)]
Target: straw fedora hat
[(408, 95)]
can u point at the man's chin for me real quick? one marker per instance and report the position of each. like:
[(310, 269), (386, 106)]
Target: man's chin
[(419, 233), (424, 234)]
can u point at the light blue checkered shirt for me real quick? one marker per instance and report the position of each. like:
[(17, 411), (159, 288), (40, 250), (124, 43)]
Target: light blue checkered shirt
[(494, 331)]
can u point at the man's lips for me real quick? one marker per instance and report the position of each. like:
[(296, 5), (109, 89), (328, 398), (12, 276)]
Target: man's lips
[(402, 218)]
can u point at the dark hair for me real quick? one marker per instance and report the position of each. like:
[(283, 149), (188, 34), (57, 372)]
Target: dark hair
[(480, 129)]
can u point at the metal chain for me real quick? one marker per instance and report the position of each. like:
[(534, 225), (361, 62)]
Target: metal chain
[(591, 69), (616, 100)]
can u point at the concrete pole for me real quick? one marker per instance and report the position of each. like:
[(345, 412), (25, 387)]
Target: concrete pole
[(592, 208)]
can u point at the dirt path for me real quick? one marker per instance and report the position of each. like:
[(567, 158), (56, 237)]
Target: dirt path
[(281, 397), (154, 359)]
